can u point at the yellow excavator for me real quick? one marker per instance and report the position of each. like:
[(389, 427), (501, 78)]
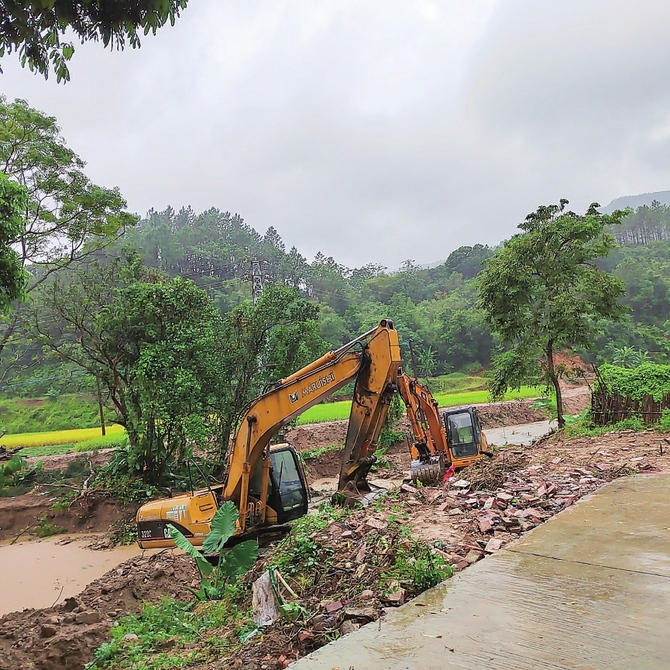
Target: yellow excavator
[(442, 442), (266, 482)]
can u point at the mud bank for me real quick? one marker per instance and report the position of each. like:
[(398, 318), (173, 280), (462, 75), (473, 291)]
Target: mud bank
[(42, 573), (64, 637), (91, 513)]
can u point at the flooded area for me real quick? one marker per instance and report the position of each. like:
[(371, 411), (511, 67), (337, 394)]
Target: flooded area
[(590, 589), (37, 573)]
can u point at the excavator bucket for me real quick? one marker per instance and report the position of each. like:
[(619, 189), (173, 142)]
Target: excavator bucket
[(351, 495), (429, 474)]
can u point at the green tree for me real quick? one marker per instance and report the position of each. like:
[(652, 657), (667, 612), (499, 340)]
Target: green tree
[(627, 357), (35, 30), (260, 344), (542, 291), (65, 217), (155, 345), (13, 278)]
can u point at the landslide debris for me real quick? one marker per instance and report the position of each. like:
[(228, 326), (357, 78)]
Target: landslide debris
[(346, 567)]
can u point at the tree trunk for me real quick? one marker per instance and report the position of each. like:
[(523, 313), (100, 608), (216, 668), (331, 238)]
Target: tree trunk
[(554, 380), (100, 407)]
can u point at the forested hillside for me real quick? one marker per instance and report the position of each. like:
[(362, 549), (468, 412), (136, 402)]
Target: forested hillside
[(435, 308)]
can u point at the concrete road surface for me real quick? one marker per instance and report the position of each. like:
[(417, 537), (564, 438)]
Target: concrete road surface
[(521, 435), (588, 590)]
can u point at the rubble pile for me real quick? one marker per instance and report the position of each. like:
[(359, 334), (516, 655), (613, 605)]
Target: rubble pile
[(347, 568), (487, 519), (363, 566)]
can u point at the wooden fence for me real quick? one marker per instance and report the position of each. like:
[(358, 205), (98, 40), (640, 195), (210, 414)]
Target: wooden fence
[(611, 407)]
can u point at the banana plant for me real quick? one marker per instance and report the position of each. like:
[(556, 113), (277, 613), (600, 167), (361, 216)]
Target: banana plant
[(231, 564)]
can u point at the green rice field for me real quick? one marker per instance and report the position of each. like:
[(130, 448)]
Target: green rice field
[(335, 411), (84, 439), (53, 437)]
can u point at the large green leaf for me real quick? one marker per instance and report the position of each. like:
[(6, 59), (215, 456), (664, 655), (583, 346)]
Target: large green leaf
[(203, 564), (239, 559), (221, 528)]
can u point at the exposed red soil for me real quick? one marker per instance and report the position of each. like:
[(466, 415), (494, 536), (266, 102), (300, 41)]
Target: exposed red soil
[(96, 458), (313, 436)]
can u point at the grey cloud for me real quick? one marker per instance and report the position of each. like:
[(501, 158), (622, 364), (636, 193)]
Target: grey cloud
[(376, 131)]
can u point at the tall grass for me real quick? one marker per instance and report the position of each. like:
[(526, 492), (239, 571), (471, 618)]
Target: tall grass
[(31, 415)]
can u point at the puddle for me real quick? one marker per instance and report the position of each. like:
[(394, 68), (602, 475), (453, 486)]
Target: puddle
[(37, 573)]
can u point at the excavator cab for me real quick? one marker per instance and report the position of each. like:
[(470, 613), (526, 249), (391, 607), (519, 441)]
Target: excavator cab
[(465, 438), (192, 512), (287, 487)]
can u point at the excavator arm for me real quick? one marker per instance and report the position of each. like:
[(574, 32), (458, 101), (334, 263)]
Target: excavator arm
[(373, 392), (374, 366), (260, 477), (430, 452)]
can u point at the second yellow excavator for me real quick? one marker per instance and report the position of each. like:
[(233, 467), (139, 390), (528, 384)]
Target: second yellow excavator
[(442, 442)]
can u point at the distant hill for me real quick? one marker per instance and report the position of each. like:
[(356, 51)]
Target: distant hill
[(635, 201)]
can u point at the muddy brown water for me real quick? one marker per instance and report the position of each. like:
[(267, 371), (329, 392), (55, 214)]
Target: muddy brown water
[(36, 573)]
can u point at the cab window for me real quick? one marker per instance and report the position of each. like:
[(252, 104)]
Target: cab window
[(461, 434), (287, 480)]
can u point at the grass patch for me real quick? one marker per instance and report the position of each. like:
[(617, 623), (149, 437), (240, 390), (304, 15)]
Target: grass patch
[(476, 397), (334, 411), (113, 441), (456, 382), (181, 624), (28, 415), (329, 411), (62, 437), (311, 454)]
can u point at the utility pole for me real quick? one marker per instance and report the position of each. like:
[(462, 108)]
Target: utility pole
[(411, 353), (256, 280)]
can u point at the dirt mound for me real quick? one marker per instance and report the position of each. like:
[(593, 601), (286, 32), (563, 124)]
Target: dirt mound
[(97, 458), (576, 399), (317, 435), (511, 413), (92, 513), (66, 636)]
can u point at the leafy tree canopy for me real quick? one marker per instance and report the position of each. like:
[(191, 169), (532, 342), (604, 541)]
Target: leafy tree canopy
[(35, 28), (543, 291), (13, 200), (64, 217)]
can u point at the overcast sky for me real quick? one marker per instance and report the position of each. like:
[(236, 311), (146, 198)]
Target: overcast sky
[(375, 130)]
